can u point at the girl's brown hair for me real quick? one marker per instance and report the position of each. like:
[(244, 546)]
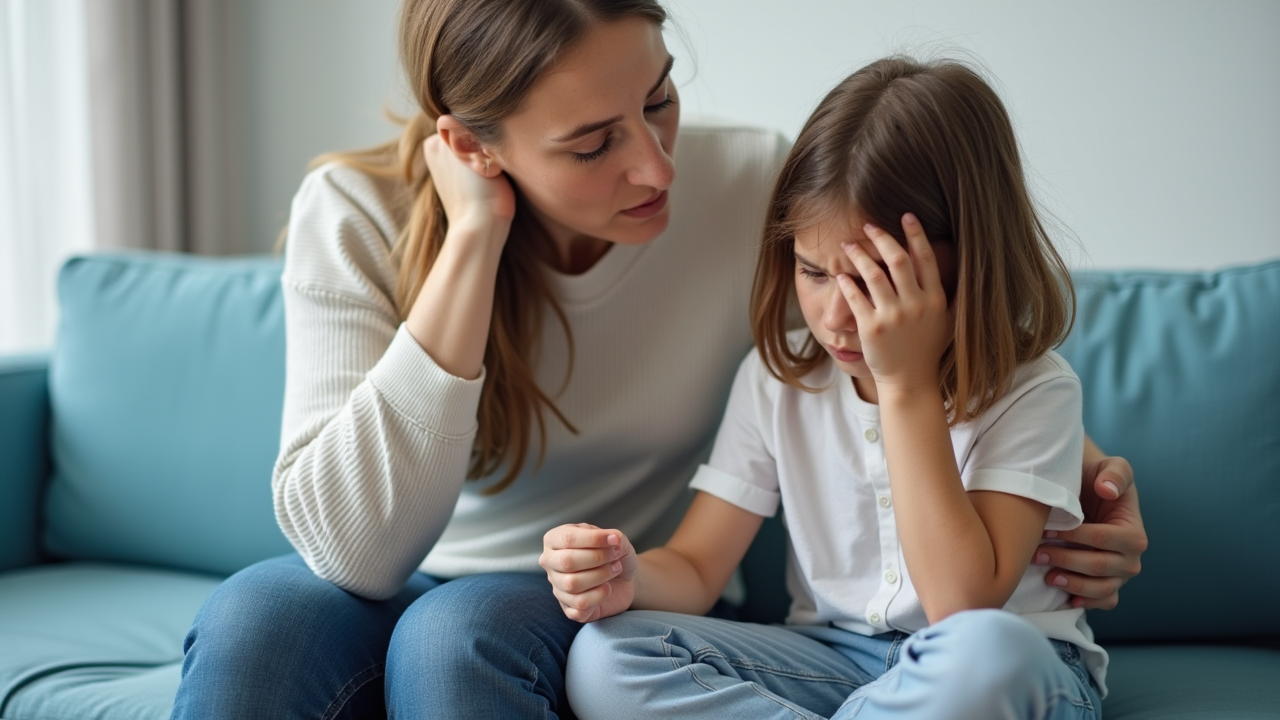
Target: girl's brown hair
[(933, 139), (477, 60)]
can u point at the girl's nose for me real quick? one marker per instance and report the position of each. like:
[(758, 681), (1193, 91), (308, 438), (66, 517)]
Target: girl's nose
[(651, 165), (838, 317)]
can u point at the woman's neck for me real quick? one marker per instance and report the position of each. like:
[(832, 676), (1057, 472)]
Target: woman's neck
[(577, 255)]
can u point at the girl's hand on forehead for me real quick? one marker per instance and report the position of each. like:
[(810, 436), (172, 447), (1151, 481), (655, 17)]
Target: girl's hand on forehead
[(903, 319)]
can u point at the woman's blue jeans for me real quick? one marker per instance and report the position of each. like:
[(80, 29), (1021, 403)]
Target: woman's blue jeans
[(976, 665), (275, 641)]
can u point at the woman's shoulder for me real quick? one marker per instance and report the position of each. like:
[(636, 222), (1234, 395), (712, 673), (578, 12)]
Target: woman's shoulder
[(725, 147), (342, 227), (381, 196)]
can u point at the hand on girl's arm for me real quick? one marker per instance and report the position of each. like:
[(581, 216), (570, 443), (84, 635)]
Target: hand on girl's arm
[(1112, 533), (596, 573)]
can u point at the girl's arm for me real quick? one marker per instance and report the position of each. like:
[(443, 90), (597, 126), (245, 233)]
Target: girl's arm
[(596, 573), (964, 550)]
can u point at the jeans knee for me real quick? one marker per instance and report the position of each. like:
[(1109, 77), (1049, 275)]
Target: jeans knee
[(481, 618), (999, 651)]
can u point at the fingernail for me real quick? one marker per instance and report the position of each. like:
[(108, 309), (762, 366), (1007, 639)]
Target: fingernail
[(612, 539), (1060, 581), (842, 279), (617, 567), (869, 228), (910, 219), (1042, 559), (1051, 534), (1112, 486)]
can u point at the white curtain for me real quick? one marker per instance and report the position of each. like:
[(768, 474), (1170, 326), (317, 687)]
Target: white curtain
[(118, 129), (46, 191)]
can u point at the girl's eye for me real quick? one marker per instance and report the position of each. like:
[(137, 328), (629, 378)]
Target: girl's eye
[(599, 152), (812, 274)]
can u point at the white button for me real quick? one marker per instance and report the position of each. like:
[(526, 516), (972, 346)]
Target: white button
[(884, 500), (891, 577), (871, 435), (874, 618)]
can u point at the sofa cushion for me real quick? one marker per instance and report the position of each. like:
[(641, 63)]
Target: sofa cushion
[(1181, 376), (166, 386), (86, 640)]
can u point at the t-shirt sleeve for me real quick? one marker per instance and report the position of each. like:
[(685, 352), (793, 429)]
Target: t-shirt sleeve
[(742, 469), (1034, 448)]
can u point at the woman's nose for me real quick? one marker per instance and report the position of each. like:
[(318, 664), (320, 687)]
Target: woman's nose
[(651, 166)]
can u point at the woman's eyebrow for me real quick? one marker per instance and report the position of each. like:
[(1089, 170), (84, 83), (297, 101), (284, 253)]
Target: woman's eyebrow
[(591, 127)]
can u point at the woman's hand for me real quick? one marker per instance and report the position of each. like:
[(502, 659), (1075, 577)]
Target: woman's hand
[(591, 570), (1112, 535), (475, 195), (904, 324)]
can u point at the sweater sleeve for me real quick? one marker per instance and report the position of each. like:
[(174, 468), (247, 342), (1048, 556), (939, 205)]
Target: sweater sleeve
[(376, 437)]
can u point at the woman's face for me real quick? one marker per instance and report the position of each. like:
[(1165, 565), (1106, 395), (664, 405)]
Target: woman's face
[(591, 146)]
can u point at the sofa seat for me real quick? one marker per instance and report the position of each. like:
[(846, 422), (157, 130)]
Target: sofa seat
[(1192, 682), (94, 640)]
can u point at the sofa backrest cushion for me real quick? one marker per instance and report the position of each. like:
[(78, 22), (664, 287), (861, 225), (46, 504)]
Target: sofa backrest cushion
[(1181, 376), (166, 385)]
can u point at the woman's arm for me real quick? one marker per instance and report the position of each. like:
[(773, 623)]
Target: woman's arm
[(1112, 535), (377, 431), (595, 572)]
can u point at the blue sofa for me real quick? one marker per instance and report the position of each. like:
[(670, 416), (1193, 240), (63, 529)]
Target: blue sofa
[(135, 466)]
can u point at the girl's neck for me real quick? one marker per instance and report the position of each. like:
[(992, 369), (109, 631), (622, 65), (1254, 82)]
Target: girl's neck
[(866, 389)]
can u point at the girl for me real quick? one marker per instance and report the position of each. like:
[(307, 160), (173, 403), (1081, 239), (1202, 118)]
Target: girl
[(488, 321), (920, 434)]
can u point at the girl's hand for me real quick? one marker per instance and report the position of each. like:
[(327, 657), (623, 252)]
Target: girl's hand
[(1110, 543), (904, 324), (591, 570), (471, 198)]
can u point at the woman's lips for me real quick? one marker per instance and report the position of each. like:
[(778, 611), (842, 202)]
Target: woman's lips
[(843, 355), (648, 208)]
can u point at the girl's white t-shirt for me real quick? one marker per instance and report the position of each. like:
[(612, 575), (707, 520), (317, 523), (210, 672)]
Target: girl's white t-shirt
[(821, 456)]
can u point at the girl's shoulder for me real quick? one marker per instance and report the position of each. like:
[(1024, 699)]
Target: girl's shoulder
[(1047, 368)]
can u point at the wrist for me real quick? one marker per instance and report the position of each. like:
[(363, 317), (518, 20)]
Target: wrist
[(909, 394), (479, 232)]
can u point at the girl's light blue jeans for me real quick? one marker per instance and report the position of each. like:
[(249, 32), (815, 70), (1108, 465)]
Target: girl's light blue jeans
[(981, 664)]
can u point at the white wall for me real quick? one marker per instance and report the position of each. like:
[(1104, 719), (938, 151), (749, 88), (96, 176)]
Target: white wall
[(1152, 127)]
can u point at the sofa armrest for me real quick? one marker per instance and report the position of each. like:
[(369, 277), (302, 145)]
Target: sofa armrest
[(24, 455)]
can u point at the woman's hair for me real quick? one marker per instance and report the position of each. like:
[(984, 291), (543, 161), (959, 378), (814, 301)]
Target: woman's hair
[(933, 139), (477, 60)]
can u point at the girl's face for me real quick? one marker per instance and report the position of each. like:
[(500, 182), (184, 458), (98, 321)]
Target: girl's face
[(819, 259), (591, 146)]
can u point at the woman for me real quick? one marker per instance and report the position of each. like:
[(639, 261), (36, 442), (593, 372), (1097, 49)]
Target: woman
[(521, 292)]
